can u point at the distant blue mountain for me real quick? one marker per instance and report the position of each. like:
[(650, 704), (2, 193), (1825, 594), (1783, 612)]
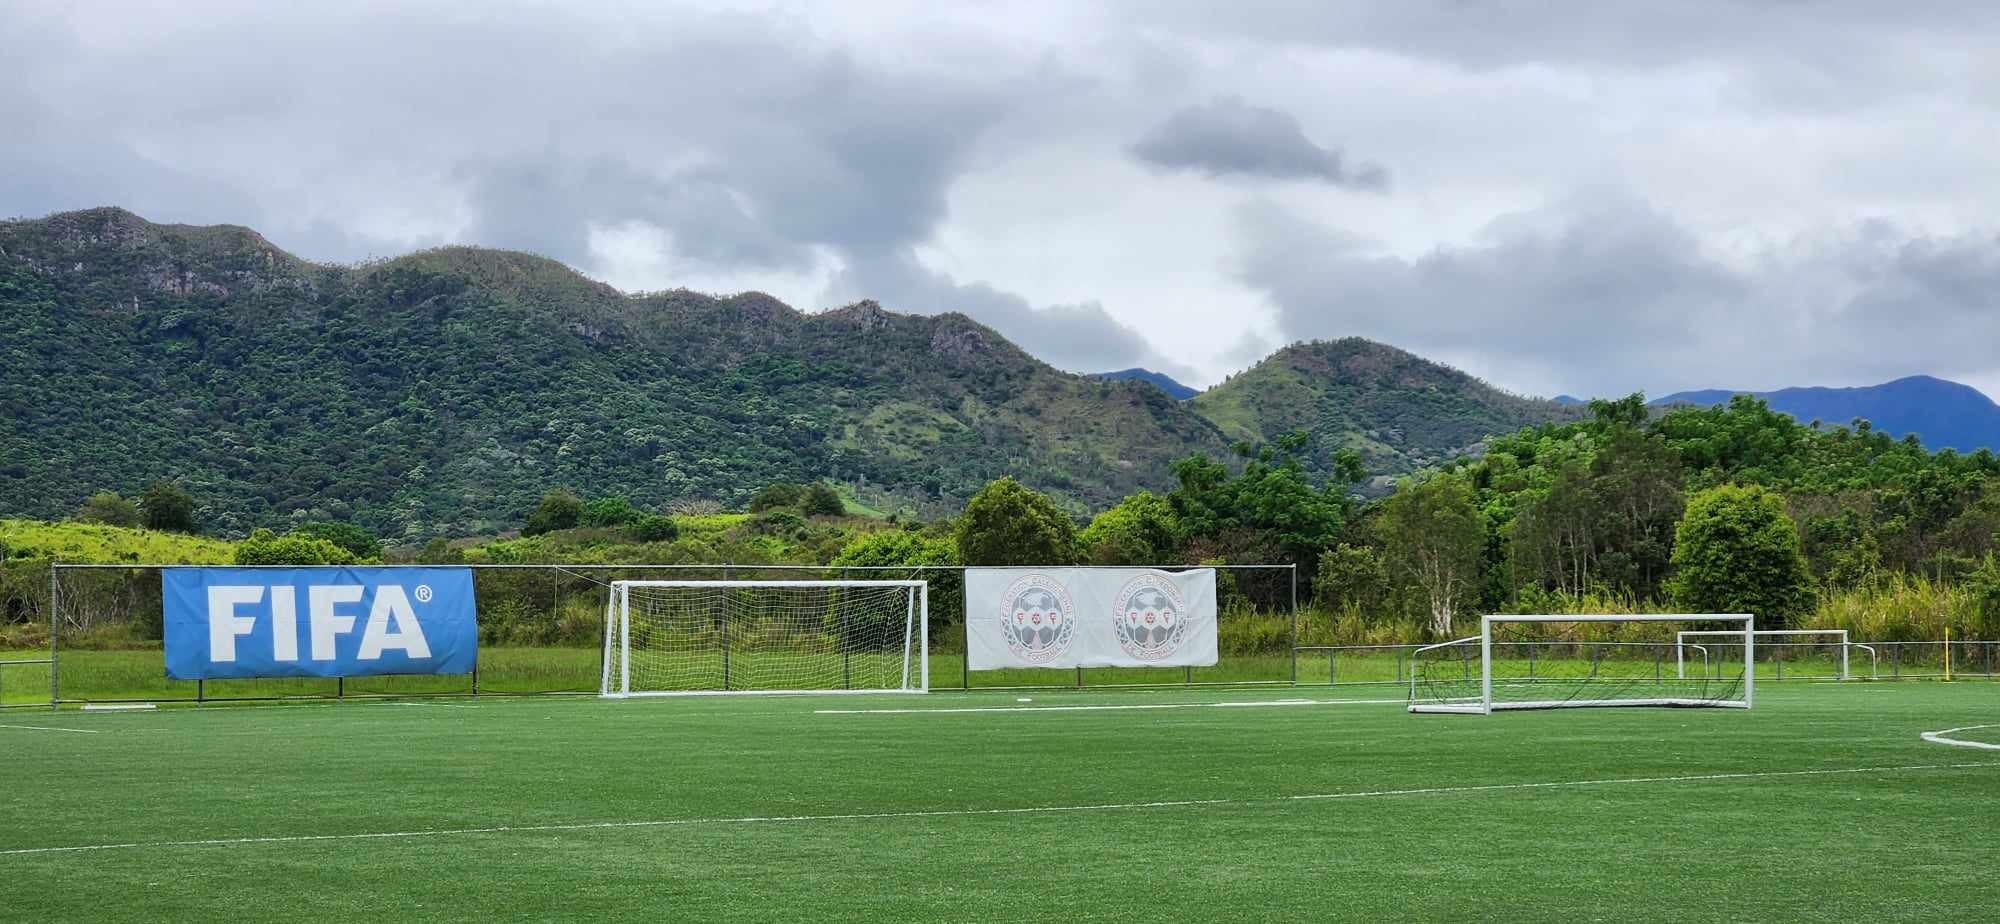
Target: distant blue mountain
[(1942, 414), (1568, 400), (1175, 389)]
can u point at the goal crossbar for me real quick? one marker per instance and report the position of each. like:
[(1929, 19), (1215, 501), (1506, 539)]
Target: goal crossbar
[(695, 638), (1434, 689)]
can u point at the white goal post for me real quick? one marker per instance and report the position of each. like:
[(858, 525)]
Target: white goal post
[(1689, 651), (683, 638), (1560, 661)]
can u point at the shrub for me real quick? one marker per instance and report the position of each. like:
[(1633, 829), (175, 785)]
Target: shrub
[(655, 528), (108, 508), (357, 541), (608, 512), (559, 509), (168, 508), (267, 548), (776, 494), (821, 500)]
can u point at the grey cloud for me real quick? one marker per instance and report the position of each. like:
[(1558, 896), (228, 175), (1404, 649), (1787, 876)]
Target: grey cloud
[(1605, 295), (1229, 136)]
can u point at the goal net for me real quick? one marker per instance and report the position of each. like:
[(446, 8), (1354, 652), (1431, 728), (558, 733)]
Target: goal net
[(691, 637), (1545, 662)]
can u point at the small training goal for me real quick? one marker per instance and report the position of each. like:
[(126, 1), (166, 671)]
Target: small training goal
[(666, 638), (1804, 654), (1547, 662)]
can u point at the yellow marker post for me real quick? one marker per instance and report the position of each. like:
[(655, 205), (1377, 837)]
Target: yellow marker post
[(1947, 653)]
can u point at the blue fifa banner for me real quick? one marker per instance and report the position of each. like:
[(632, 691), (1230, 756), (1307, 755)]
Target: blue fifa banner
[(318, 622)]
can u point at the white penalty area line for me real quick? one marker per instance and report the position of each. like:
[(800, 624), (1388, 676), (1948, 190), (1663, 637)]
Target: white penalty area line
[(1943, 737), (1108, 707), (971, 813), (80, 731)]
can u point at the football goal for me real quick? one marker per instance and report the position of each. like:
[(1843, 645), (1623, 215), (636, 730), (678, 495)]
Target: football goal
[(710, 637), (1547, 662), (1805, 654)]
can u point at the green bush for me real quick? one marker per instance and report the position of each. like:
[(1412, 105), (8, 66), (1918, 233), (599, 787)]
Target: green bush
[(267, 548), (559, 509), (655, 528)]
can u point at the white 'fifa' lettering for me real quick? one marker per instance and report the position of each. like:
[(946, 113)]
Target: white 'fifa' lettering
[(392, 604), (223, 623), (320, 601), (284, 623)]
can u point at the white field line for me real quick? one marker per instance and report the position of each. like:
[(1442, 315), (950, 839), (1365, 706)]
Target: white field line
[(83, 731), (1120, 706), (967, 813), (1941, 737)]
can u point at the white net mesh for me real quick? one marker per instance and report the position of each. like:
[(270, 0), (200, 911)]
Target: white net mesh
[(1629, 662), (768, 636)]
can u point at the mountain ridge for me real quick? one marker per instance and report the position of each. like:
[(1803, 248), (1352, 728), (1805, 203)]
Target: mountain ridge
[(1942, 414), (441, 392), (1160, 380)]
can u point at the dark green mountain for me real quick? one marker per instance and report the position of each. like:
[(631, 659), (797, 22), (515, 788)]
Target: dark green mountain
[(1160, 380), (443, 392), (1942, 414), (1400, 411)]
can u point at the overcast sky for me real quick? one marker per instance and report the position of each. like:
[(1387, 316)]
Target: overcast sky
[(1590, 198)]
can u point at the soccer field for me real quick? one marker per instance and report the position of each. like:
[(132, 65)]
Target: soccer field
[(1823, 803)]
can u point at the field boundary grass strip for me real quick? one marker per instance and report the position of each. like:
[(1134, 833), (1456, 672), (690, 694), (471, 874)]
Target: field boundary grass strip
[(1943, 737), (969, 813)]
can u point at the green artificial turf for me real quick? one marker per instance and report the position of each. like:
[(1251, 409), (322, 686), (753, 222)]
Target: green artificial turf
[(1820, 804)]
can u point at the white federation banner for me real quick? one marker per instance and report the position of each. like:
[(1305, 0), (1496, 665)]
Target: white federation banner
[(1089, 617)]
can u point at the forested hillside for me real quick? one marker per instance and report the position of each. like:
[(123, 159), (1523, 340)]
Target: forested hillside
[(444, 392), (1400, 412)]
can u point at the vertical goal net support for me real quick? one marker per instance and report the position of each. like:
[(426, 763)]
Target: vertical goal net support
[(1548, 662), (664, 638)]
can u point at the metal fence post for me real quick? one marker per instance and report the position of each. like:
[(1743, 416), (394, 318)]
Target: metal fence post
[(53, 624), (1295, 624)]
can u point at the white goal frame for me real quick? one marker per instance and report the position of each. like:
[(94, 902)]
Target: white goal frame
[(1681, 644), (618, 638), (1486, 705)]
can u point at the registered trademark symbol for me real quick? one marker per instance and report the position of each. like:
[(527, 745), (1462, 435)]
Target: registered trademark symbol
[(423, 593)]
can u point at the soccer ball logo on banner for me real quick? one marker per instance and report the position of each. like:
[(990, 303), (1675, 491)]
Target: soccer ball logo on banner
[(1151, 619), (1039, 621)]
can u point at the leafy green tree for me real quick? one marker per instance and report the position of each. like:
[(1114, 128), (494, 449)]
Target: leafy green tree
[(1983, 585), (559, 509), (821, 500), (359, 542), (655, 527), (1434, 536), (267, 548), (1139, 530), (1273, 499), (776, 494), (1351, 577), (892, 548), (1008, 524), (608, 513), (168, 508), (1736, 551), (109, 508)]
